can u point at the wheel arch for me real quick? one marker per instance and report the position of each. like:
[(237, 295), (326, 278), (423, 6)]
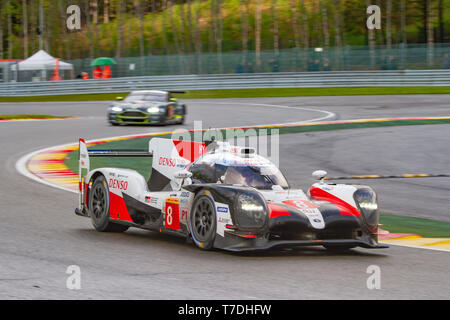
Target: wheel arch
[(91, 177)]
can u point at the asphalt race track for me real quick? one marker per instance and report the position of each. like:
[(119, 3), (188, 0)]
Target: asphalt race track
[(41, 236)]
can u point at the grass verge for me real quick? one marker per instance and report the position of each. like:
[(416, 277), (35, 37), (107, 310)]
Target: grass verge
[(425, 227), (28, 116), (248, 93)]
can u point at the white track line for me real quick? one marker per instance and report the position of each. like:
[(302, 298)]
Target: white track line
[(327, 116)]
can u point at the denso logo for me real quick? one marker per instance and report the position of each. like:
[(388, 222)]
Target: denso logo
[(169, 162), (117, 184)]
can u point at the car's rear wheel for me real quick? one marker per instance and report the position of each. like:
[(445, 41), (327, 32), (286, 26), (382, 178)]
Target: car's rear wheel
[(99, 207), (203, 221)]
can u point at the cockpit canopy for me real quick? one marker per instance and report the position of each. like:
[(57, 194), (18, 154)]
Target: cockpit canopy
[(237, 166)]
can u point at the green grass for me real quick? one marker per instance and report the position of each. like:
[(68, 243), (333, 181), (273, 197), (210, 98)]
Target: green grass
[(425, 227), (28, 116), (248, 93), (311, 92)]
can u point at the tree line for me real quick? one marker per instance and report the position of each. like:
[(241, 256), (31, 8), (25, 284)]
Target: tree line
[(142, 27)]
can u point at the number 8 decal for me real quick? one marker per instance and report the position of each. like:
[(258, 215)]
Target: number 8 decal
[(172, 218), (169, 216)]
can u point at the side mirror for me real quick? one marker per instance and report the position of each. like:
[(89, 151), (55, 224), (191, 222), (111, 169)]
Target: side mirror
[(119, 98), (319, 174), (183, 174)]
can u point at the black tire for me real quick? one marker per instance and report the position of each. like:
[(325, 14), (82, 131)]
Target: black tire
[(163, 120), (99, 207), (203, 221), (338, 248)]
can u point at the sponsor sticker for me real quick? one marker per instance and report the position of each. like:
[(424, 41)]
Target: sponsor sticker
[(118, 184), (310, 210), (222, 209), (223, 217)]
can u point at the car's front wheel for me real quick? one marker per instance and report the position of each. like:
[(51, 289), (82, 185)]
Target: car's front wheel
[(163, 120), (99, 207), (203, 221)]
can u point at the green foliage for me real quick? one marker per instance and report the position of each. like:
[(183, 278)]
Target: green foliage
[(103, 36)]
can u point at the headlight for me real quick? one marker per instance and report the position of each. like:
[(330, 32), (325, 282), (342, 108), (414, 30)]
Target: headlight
[(251, 211), (366, 199), (116, 109), (153, 110)]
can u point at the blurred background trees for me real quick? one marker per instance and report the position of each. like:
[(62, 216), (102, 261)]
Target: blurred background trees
[(130, 28)]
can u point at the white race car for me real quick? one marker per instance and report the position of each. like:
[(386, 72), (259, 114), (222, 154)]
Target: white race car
[(224, 196)]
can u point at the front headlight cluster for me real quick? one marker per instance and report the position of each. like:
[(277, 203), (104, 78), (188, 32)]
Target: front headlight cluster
[(116, 109), (251, 211), (366, 199), (153, 110)]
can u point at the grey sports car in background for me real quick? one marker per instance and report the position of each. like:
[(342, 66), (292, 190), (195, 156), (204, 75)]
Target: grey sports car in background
[(147, 107)]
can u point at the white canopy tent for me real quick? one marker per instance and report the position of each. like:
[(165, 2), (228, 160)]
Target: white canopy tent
[(41, 61)]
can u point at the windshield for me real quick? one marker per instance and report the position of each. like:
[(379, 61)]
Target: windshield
[(263, 177), (146, 97)]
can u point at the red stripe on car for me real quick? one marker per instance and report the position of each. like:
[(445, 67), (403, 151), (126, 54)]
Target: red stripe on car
[(276, 210), (117, 208), (344, 207)]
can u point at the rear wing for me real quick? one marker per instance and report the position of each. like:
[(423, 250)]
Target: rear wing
[(84, 156), (170, 156)]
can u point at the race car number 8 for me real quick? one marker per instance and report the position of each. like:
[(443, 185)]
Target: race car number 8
[(169, 216), (172, 219)]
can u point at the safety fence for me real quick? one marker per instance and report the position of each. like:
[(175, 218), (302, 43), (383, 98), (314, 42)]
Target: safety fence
[(345, 58)]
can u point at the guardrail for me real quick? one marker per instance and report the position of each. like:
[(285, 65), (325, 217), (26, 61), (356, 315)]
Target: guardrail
[(231, 81)]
